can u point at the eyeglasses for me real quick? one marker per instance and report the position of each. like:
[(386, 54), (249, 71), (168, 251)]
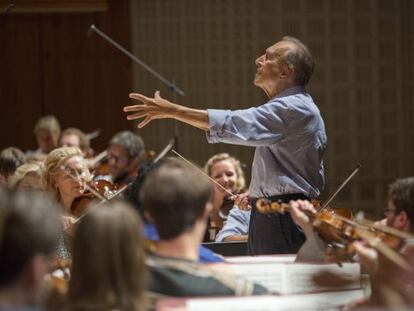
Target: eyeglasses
[(118, 159)]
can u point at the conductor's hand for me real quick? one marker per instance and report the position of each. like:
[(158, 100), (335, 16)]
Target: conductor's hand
[(242, 201), (300, 211), (150, 108)]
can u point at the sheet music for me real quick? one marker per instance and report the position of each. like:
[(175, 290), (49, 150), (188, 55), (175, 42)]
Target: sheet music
[(311, 302), (261, 259), (294, 278)]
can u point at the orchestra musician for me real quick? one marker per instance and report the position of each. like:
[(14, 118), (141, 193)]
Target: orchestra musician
[(233, 223), (61, 165), (126, 151), (108, 266), (399, 215), (28, 176), (74, 137), (10, 159), (178, 199), (287, 131), (29, 227), (47, 132), (131, 195)]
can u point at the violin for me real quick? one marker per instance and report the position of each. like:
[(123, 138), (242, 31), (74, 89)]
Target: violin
[(225, 207), (101, 190), (341, 231), (326, 222)]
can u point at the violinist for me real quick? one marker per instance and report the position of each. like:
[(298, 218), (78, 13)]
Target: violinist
[(232, 223), (60, 166), (399, 283), (108, 267), (25, 261), (126, 151), (399, 215)]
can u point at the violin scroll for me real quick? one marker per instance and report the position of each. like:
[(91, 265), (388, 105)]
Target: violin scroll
[(266, 206)]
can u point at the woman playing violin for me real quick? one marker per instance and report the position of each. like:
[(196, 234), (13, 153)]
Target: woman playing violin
[(61, 166), (226, 170)]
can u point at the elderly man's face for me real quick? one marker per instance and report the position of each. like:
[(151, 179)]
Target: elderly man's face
[(270, 65)]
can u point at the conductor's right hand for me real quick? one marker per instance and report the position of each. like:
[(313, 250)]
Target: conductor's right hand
[(150, 108)]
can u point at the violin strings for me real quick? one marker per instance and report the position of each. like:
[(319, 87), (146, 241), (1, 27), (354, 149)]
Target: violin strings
[(84, 184), (105, 200), (197, 168)]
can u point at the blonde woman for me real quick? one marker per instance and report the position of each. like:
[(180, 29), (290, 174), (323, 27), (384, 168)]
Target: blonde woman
[(231, 222), (61, 166), (28, 176), (108, 271)]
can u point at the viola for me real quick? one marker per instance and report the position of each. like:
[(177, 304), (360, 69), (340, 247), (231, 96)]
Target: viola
[(96, 190)]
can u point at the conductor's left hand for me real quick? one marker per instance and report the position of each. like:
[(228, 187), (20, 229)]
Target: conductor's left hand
[(150, 108)]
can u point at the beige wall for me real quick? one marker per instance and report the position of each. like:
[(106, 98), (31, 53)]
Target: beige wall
[(362, 84)]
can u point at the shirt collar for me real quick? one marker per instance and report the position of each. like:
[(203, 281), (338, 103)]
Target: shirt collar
[(290, 91)]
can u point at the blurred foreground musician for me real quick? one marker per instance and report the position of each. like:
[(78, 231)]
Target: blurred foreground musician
[(29, 227), (108, 270), (10, 159), (287, 131), (178, 199)]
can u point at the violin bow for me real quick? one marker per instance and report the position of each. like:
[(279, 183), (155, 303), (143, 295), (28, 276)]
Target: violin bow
[(385, 250), (83, 183), (102, 202), (99, 157), (93, 134), (382, 228), (164, 151), (341, 186), (198, 169)]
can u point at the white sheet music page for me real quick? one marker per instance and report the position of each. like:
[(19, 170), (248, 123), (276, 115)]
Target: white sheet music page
[(294, 278), (309, 302), (260, 259)]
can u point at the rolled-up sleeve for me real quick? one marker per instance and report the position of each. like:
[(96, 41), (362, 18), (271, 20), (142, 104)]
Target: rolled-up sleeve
[(237, 223), (259, 126)]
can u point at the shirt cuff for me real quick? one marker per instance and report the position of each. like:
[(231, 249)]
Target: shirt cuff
[(216, 120)]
